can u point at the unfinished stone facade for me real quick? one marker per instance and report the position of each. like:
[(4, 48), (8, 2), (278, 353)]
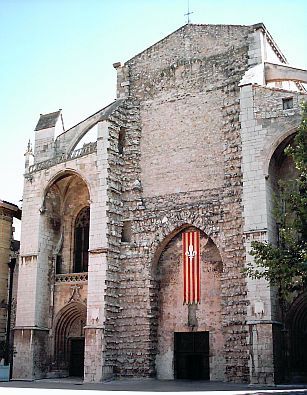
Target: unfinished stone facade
[(189, 143)]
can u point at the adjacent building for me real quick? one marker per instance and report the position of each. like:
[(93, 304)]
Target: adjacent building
[(9, 250)]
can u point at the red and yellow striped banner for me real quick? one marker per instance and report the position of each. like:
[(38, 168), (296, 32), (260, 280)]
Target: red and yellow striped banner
[(191, 267)]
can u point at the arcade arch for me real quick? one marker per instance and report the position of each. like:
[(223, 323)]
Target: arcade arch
[(281, 168), (195, 329), (292, 341), (66, 222)]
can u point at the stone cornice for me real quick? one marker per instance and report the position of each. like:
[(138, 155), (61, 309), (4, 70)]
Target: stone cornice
[(263, 322), (9, 209), (5, 215), (30, 328), (102, 250)]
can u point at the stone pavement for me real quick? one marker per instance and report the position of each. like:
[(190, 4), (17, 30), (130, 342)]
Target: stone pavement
[(153, 385)]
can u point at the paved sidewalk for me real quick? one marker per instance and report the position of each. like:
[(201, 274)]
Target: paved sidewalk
[(153, 385)]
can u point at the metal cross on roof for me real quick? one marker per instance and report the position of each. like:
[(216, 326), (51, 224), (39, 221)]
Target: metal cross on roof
[(188, 13)]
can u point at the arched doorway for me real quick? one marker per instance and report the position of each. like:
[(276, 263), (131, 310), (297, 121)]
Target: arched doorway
[(69, 339), (190, 341), (297, 338)]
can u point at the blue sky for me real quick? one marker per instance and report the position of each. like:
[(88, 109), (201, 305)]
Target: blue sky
[(59, 54)]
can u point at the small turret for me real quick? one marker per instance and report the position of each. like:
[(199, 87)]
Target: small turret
[(44, 135), (29, 157)]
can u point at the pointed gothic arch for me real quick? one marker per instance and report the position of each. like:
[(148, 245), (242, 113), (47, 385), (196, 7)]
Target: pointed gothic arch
[(65, 196), (166, 233), (280, 168), (69, 325), (172, 316), (58, 176), (277, 143)]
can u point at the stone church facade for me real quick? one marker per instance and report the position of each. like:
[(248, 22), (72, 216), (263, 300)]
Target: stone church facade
[(194, 141)]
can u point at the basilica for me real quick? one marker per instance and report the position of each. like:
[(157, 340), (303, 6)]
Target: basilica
[(133, 242)]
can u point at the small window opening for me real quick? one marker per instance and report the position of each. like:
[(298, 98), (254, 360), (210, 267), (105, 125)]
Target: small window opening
[(287, 103), (58, 266), (82, 226), (121, 140), (126, 232)]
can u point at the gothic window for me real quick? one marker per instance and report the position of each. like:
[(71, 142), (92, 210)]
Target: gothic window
[(82, 226)]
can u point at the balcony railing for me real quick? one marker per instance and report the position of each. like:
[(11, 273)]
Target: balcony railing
[(86, 150), (71, 278)]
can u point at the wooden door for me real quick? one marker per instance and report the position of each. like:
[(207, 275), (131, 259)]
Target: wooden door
[(191, 355), (76, 366)]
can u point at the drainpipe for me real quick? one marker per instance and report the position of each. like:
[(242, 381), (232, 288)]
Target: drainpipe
[(11, 265)]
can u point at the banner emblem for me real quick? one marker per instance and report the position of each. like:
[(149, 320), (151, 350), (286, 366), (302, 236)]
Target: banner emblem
[(191, 267)]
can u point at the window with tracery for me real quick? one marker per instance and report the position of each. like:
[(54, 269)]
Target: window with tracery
[(82, 226)]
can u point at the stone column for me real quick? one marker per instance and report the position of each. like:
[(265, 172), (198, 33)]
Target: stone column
[(31, 328), (94, 369), (256, 228)]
